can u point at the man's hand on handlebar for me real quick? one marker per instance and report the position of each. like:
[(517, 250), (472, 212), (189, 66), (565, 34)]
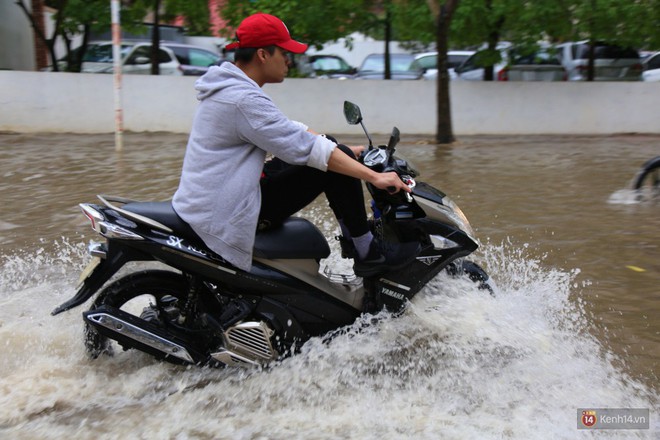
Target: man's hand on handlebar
[(391, 182), (356, 149)]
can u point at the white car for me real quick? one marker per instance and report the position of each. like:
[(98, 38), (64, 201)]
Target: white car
[(515, 65), (611, 63), (541, 65), (652, 68), (173, 58), (136, 58), (402, 66), (429, 62)]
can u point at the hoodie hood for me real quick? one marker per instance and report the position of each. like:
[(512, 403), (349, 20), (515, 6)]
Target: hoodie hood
[(221, 77)]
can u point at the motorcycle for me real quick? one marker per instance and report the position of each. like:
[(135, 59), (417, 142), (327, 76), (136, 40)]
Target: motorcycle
[(202, 310)]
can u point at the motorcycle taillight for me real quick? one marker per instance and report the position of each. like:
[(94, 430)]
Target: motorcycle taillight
[(93, 215)]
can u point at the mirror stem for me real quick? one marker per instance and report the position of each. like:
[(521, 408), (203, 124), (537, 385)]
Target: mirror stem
[(371, 145)]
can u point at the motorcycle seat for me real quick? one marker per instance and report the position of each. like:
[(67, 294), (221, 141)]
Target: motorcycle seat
[(163, 213), (296, 238)]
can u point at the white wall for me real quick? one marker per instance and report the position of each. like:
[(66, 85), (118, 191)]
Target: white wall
[(83, 103)]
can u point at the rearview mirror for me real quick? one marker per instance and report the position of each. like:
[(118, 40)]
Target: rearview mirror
[(352, 113), (353, 116)]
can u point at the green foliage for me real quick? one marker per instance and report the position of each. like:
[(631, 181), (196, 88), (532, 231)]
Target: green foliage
[(313, 21), (77, 13), (196, 13), (412, 21), (627, 22), (624, 22)]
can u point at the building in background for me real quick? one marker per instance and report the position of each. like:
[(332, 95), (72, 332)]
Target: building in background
[(22, 49)]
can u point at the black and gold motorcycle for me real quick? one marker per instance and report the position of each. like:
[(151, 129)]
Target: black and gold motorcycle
[(202, 310)]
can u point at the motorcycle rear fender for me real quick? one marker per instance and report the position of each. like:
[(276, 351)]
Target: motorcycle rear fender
[(115, 260)]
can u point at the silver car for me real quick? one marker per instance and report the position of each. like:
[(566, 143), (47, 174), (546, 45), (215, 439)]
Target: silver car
[(428, 61), (136, 58), (611, 63), (402, 66), (516, 65), (173, 58), (542, 65), (652, 68)]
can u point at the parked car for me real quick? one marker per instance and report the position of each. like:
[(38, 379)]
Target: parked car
[(428, 61), (331, 66), (173, 58), (516, 65), (402, 66), (651, 66), (194, 60), (472, 68), (541, 65), (611, 63)]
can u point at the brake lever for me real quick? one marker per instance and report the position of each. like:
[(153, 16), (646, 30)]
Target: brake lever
[(410, 183)]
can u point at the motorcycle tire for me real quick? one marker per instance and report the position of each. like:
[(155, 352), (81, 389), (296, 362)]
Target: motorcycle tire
[(475, 273), (648, 175), (156, 284)]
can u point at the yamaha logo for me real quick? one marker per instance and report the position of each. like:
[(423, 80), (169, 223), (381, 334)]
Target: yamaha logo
[(393, 294)]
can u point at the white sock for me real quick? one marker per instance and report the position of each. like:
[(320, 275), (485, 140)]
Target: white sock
[(362, 244)]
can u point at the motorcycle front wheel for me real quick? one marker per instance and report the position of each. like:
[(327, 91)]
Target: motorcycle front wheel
[(140, 294), (474, 272)]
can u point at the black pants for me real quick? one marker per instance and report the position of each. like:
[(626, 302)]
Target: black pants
[(286, 189)]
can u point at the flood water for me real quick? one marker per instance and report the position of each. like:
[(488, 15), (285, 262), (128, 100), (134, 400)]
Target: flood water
[(575, 324)]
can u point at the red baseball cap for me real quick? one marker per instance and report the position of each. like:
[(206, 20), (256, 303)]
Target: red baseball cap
[(261, 30)]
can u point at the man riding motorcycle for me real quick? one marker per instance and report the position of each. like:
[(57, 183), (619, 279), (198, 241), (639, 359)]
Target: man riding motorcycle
[(222, 194)]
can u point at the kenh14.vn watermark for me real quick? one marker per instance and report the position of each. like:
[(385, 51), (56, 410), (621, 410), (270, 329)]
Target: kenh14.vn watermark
[(613, 418)]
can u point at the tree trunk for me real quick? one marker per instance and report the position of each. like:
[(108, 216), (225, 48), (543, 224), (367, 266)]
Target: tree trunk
[(155, 39), (35, 16), (591, 64), (444, 131), (388, 37), (592, 45)]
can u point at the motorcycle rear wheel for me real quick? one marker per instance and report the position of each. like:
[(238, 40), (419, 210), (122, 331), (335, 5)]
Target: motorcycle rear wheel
[(648, 175), (130, 294)]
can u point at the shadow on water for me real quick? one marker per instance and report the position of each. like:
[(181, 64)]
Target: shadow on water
[(575, 325)]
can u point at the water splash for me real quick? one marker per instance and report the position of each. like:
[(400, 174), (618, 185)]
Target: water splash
[(24, 268), (458, 363), (634, 196)]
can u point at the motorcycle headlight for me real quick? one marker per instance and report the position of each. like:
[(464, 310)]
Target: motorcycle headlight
[(457, 215), (447, 212)]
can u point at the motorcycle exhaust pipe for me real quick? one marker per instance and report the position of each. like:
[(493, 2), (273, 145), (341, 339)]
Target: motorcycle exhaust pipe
[(131, 331)]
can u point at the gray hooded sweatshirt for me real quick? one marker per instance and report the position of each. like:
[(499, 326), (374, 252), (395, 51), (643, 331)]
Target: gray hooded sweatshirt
[(235, 125)]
